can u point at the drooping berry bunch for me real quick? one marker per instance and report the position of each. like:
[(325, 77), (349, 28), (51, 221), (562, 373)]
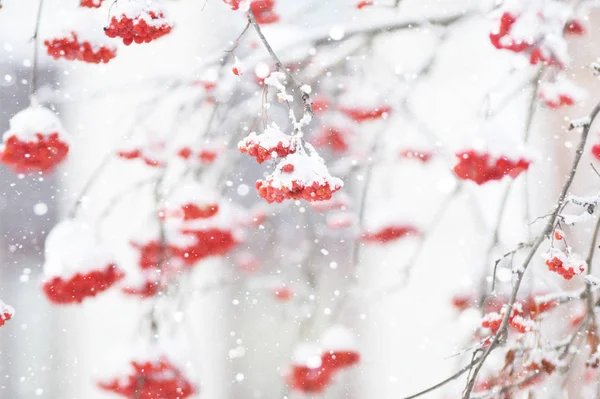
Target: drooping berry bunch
[(314, 368), (334, 138), (151, 379), (264, 11), (299, 176), (76, 265), (360, 115), (138, 22), (568, 264), (560, 93), (516, 320), (71, 48), (272, 143), (91, 3), (35, 142), (482, 167), (152, 154), (205, 155), (390, 233), (536, 28)]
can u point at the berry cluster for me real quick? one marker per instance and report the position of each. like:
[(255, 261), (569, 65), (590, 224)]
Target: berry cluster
[(333, 138), (35, 141), (360, 115), (71, 48), (75, 289), (234, 4), (206, 156), (567, 265), (560, 93), (91, 3), (536, 28), (150, 380), (146, 26), (270, 144), (151, 154), (314, 369), (40, 155), (208, 242), (482, 167), (390, 233), (264, 12), (299, 176), (516, 320)]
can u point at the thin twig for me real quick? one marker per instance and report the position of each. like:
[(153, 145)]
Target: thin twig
[(96, 174), (447, 380), (34, 67)]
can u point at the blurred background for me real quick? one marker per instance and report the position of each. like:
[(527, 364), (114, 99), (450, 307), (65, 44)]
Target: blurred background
[(236, 341)]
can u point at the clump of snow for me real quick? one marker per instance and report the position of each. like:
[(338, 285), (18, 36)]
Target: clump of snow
[(71, 248), (339, 339), (307, 169), (307, 354), (86, 23), (30, 122), (561, 87), (139, 10), (192, 192), (269, 139)]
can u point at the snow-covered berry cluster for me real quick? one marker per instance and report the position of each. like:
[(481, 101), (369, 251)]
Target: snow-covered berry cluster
[(568, 264), (483, 167), (264, 11), (315, 366), (390, 233), (299, 176), (91, 3), (77, 35), (205, 155), (535, 27), (77, 266), (35, 142), (516, 320), (152, 154), (560, 93), (154, 378), (136, 21), (272, 143)]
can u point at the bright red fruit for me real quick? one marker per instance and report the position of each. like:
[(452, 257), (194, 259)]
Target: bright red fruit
[(483, 167), (139, 24), (153, 379), (80, 286), (35, 142), (71, 48), (390, 233)]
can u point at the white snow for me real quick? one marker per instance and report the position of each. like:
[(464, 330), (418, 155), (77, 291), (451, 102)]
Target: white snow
[(307, 170), (26, 124), (71, 248), (338, 338)]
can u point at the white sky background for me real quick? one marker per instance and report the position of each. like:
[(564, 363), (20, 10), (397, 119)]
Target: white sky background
[(406, 339)]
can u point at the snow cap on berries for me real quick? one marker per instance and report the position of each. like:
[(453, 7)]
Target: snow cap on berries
[(272, 143), (561, 92), (35, 141), (307, 354), (299, 176), (78, 34), (71, 248), (137, 21), (338, 338)]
